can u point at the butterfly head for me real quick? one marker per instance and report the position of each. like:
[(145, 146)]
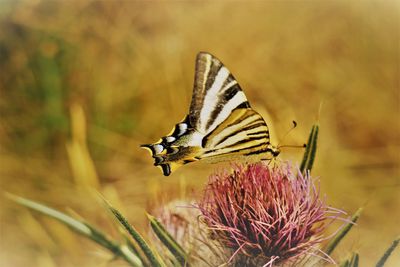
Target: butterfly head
[(275, 151)]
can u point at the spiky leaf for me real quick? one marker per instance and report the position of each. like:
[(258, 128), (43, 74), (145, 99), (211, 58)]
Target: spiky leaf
[(148, 252), (311, 150), (352, 262), (173, 246), (80, 227), (389, 251)]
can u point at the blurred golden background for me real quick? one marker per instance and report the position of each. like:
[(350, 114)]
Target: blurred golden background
[(83, 83)]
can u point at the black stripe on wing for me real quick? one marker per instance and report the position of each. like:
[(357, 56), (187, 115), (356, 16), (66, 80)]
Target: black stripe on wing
[(250, 140), (223, 99), (208, 75), (243, 129), (233, 125), (205, 64), (263, 132), (243, 132), (260, 145)]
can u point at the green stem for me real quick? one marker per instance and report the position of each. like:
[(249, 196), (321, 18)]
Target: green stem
[(389, 251), (137, 237), (311, 150), (173, 246)]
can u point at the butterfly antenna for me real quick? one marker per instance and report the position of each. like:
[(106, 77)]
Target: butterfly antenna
[(319, 110), (293, 146), (287, 133)]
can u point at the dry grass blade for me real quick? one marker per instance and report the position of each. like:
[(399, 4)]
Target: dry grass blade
[(136, 250), (173, 246), (148, 252), (80, 227)]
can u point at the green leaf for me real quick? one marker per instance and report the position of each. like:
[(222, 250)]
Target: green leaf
[(80, 227), (346, 263), (307, 151), (342, 233), (173, 246), (148, 252), (389, 251), (136, 250), (311, 150), (353, 262)]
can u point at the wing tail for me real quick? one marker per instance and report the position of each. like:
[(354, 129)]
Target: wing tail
[(171, 158), (172, 151)]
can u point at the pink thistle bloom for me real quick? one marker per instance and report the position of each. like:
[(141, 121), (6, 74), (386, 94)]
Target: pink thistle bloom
[(266, 215)]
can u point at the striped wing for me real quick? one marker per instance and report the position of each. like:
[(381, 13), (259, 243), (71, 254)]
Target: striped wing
[(216, 93), (220, 126), (243, 133)]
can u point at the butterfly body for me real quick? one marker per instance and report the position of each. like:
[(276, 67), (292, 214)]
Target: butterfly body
[(220, 125)]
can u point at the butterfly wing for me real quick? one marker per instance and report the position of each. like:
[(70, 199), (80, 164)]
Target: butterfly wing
[(243, 133), (220, 125), (215, 94), (181, 146)]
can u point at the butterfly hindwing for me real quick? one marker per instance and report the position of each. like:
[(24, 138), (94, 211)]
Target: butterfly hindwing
[(177, 148), (243, 133), (221, 124)]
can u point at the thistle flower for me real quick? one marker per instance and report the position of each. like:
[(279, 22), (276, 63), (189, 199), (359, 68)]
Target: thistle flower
[(266, 215), (181, 219)]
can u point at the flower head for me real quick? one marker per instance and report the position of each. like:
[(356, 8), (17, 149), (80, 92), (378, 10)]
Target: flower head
[(181, 219), (265, 214)]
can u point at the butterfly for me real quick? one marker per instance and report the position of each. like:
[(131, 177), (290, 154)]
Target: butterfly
[(220, 125)]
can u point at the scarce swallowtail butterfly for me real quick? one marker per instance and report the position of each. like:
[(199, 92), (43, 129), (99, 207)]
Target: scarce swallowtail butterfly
[(220, 125)]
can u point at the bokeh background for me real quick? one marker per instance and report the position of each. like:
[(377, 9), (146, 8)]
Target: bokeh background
[(83, 83)]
